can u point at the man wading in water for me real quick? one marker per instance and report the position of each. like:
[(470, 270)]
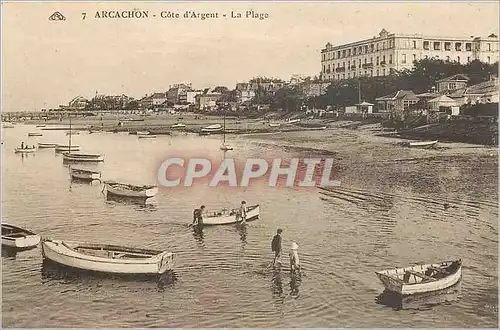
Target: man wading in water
[(198, 217), (276, 247), (242, 215)]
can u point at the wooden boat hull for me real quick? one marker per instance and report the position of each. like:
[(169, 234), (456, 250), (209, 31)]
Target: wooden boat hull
[(142, 133), (394, 279), (230, 217), (63, 148), (112, 259), (25, 151), (35, 134), (146, 136), (122, 190), (178, 126), (46, 145), (85, 175), (83, 158), (423, 144), (18, 238)]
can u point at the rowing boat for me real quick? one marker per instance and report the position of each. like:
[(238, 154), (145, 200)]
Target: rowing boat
[(35, 134), (148, 136), (142, 133), (68, 156), (16, 237), (107, 258), (129, 190), (24, 150), (422, 144), (226, 217), (61, 148), (85, 174), (212, 128), (46, 145), (421, 278)]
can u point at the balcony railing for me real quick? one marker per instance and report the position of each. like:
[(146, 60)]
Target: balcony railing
[(342, 69), (367, 65), (353, 67)]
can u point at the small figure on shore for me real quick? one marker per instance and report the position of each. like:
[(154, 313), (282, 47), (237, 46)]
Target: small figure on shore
[(242, 215), (22, 145), (294, 260), (198, 217), (276, 246)]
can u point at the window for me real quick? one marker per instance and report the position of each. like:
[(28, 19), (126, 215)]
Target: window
[(328, 68), (383, 59), (354, 74), (426, 45), (489, 47), (414, 44), (390, 59), (349, 52), (489, 59), (354, 51), (323, 57), (458, 46), (365, 60), (383, 72), (376, 47), (343, 64), (458, 59), (414, 57), (447, 46), (372, 47), (366, 72), (383, 45), (360, 50), (468, 46), (359, 62), (324, 68), (404, 58), (447, 58), (377, 60), (343, 53), (366, 49), (468, 59), (437, 45), (452, 86), (377, 73)]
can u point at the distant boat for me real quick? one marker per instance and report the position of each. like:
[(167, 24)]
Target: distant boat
[(129, 190), (35, 134), (142, 133), (77, 157), (85, 174), (40, 125), (226, 217), (293, 121), (178, 125), (46, 145), (274, 124), (422, 144), (25, 150), (62, 147), (421, 278), (149, 136), (107, 258), (16, 237), (212, 128)]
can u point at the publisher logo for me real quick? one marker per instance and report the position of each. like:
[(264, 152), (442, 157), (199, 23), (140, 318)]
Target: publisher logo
[(57, 16)]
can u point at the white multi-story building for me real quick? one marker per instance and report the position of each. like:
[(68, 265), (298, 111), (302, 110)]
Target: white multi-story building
[(380, 55)]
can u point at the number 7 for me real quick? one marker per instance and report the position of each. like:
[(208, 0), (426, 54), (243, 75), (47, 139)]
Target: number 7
[(84, 15)]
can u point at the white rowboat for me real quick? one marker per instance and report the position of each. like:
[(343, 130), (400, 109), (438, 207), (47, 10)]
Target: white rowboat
[(68, 156), (85, 174), (226, 217), (212, 128), (274, 124), (141, 133), (60, 148), (147, 136), (108, 258), (225, 147), (128, 190), (16, 237), (422, 144), (46, 145), (421, 278), (178, 125), (25, 150)]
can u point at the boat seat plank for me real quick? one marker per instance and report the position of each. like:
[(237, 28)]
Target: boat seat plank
[(437, 269), (421, 275)]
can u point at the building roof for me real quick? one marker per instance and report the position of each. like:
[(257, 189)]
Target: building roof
[(456, 77), (443, 99), (399, 95), (364, 103)]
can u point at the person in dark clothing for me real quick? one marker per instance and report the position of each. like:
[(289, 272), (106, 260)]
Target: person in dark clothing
[(198, 217), (276, 246)]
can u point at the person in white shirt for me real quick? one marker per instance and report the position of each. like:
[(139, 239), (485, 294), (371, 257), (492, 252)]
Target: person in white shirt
[(294, 259)]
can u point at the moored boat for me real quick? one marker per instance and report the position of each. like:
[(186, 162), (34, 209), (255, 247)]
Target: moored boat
[(107, 258), (16, 237), (62, 148), (40, 126), (82, 174), (142, 133), (81, 157), (212, 128), (47, 145), (148, 136), (421, 278), (178, 125), (35, 134), (226, 217), (129, 190), (274, 124), (225, 147), (24, 150), (422, 144)]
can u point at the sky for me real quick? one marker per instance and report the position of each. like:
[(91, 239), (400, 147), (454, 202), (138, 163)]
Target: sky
[(47, 63)]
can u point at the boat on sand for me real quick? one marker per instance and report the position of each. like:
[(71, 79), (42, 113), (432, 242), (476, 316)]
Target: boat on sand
[(421, 278), (422, 144)]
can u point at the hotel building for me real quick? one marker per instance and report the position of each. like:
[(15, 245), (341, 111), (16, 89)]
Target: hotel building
[(381, 55)]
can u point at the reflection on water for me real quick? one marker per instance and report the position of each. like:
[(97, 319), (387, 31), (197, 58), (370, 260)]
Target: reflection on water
[(11, 252), (421, 301), (242, 230), (143, 203)]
